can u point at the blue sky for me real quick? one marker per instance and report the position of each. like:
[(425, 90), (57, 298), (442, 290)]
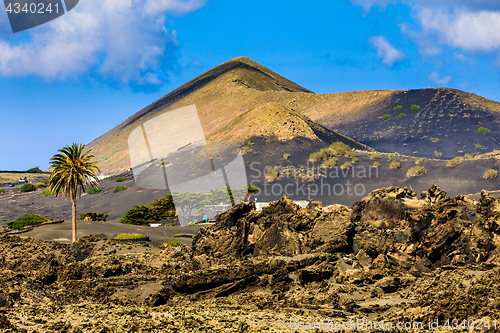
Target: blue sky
[(76, 77)]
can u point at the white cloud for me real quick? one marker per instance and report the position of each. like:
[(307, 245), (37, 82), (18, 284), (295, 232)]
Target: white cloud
[(436, 78), (121, 40), (472, 25), (465, 29), (460, 57), (386, 51)]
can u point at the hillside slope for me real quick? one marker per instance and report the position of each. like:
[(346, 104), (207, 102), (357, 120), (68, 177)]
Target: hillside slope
[(241, 91), (442, 123)]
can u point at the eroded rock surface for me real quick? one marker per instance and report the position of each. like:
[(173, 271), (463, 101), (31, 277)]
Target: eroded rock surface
[(392, 256)]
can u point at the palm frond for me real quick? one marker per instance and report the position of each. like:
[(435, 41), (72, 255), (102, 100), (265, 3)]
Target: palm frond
[(72, 171)]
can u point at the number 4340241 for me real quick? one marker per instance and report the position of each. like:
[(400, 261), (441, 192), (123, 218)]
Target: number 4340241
[(33, 8)]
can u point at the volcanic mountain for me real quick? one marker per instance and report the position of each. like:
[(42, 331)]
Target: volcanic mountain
[(242, 102)]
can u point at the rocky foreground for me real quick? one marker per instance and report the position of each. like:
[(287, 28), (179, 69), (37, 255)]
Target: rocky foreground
[(391, 259)]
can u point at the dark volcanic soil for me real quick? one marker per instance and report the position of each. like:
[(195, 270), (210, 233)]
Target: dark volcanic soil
[(390, 257), (442, 115)]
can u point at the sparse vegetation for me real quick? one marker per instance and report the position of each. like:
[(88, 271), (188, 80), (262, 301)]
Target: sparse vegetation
[(286, 156), (438, 154), (171, 244), (483, 130), (402, 115), (2, 190), (28, 187), (414, 107), (376, 164), (386, 116), (321, 155), (395, 165), (341, 149), (335, 149), (331, 162), (398, 107), (468, 157), (355, 160), (416, 171), (120, 179), (272, 173), (130, 236), (491, 173), (454, 162), (92, 216), (420, 160), (138, 215), (346, 165), (26, 220), (375, 156), (45, 193), (34, 170), (120, 188), (433, 100), (434, 139), (94, 190), (478, 146)]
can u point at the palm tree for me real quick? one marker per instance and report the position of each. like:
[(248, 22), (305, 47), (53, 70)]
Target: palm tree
[(72, 172)]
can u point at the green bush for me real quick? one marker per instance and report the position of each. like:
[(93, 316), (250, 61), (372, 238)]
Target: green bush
[(468, 157), (478, 146), (130, 236), (46, 192), (483, 130), (346, 165), (139, 215), (386, 116), (416, 171), (34, 170), (163, 208), (341, 149), (322, 155), (490, 174), (28, 187), (375, 156), (402, 115), (454, 162), (414, 107), (120, 179), (94, 190), (273, 173), (331, 162), (171, 244), (433, 100), (91, 216), (395, 165), (26, 220), (46, 182), (421, 160), (40, 185), (2, 190), (120, 188), (434, 139), (398, 107)]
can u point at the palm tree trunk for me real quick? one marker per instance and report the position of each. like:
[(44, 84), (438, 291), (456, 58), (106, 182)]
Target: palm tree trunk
[(74, 219)]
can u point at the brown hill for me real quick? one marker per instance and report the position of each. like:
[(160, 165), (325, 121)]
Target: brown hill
[(221, 95), (241, 99)]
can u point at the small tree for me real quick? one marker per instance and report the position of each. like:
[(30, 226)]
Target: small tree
[(72, 173)]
